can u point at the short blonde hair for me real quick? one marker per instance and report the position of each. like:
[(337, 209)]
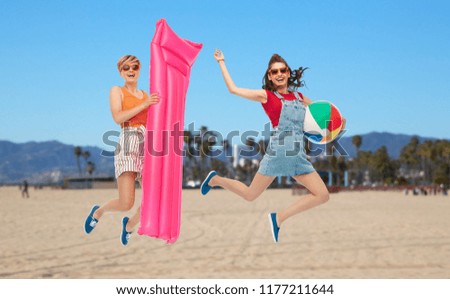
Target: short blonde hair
[(127, 59)]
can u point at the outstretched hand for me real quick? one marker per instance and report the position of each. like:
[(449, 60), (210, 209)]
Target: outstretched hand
[(218, 55)]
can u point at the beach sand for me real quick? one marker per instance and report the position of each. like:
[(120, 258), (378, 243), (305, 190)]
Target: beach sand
[(355, 235)]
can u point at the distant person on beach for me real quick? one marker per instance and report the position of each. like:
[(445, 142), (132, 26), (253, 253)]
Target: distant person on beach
[(285, 155), (129, 107), (25, 189)]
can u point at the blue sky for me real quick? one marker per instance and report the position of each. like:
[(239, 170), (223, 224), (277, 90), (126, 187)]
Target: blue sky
[(385, 64)]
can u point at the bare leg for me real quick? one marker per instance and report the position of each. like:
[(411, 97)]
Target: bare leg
[(126, 185), (319, 195), (134, 220), (259, 184)]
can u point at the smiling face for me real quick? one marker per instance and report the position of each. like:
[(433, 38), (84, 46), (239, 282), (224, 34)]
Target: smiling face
[(279, 74), (129, 67), (130, 72)]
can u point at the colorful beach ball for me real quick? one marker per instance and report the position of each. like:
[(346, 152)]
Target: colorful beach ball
[(323, 122)]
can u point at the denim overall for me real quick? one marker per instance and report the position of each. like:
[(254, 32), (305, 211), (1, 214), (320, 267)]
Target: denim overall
[(285, 155)]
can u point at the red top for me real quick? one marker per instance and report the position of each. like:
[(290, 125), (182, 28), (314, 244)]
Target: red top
[(273, 105)]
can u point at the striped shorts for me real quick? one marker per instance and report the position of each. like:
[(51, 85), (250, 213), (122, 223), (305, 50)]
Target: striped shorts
[(129, 154)]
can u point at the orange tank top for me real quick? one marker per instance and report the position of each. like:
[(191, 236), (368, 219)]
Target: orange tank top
[(129, 101)]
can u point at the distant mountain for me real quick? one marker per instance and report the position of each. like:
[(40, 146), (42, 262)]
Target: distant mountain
[(51, 161), (374, 140), (47, 162)]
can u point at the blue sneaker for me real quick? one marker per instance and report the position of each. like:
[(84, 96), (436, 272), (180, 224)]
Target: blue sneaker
[(205, 187), (274, 226), (125, 236), (91, 222)]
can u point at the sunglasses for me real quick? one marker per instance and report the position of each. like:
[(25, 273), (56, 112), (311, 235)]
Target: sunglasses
[(134, 67), (274, 72)]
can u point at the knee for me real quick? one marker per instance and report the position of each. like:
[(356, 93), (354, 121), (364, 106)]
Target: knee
[(250, 197), (126, 205), (323, 197)]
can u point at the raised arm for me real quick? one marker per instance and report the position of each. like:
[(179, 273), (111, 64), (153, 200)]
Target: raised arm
[(258, 95)]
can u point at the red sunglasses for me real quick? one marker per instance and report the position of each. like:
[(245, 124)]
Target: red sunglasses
[(134, 67), (274, 72)]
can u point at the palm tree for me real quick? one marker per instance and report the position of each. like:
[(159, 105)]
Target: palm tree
[(441, 165), (86, 156), (78, 152), (357, 142), (384, 168), (90, 168), (427, 154), (410, 158), (365, 162)]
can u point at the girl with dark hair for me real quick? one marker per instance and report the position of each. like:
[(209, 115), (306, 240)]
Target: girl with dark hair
[(294, 80), (285, 155)]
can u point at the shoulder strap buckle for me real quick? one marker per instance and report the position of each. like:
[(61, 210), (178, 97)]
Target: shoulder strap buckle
[(297, 96), (278, 95)]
